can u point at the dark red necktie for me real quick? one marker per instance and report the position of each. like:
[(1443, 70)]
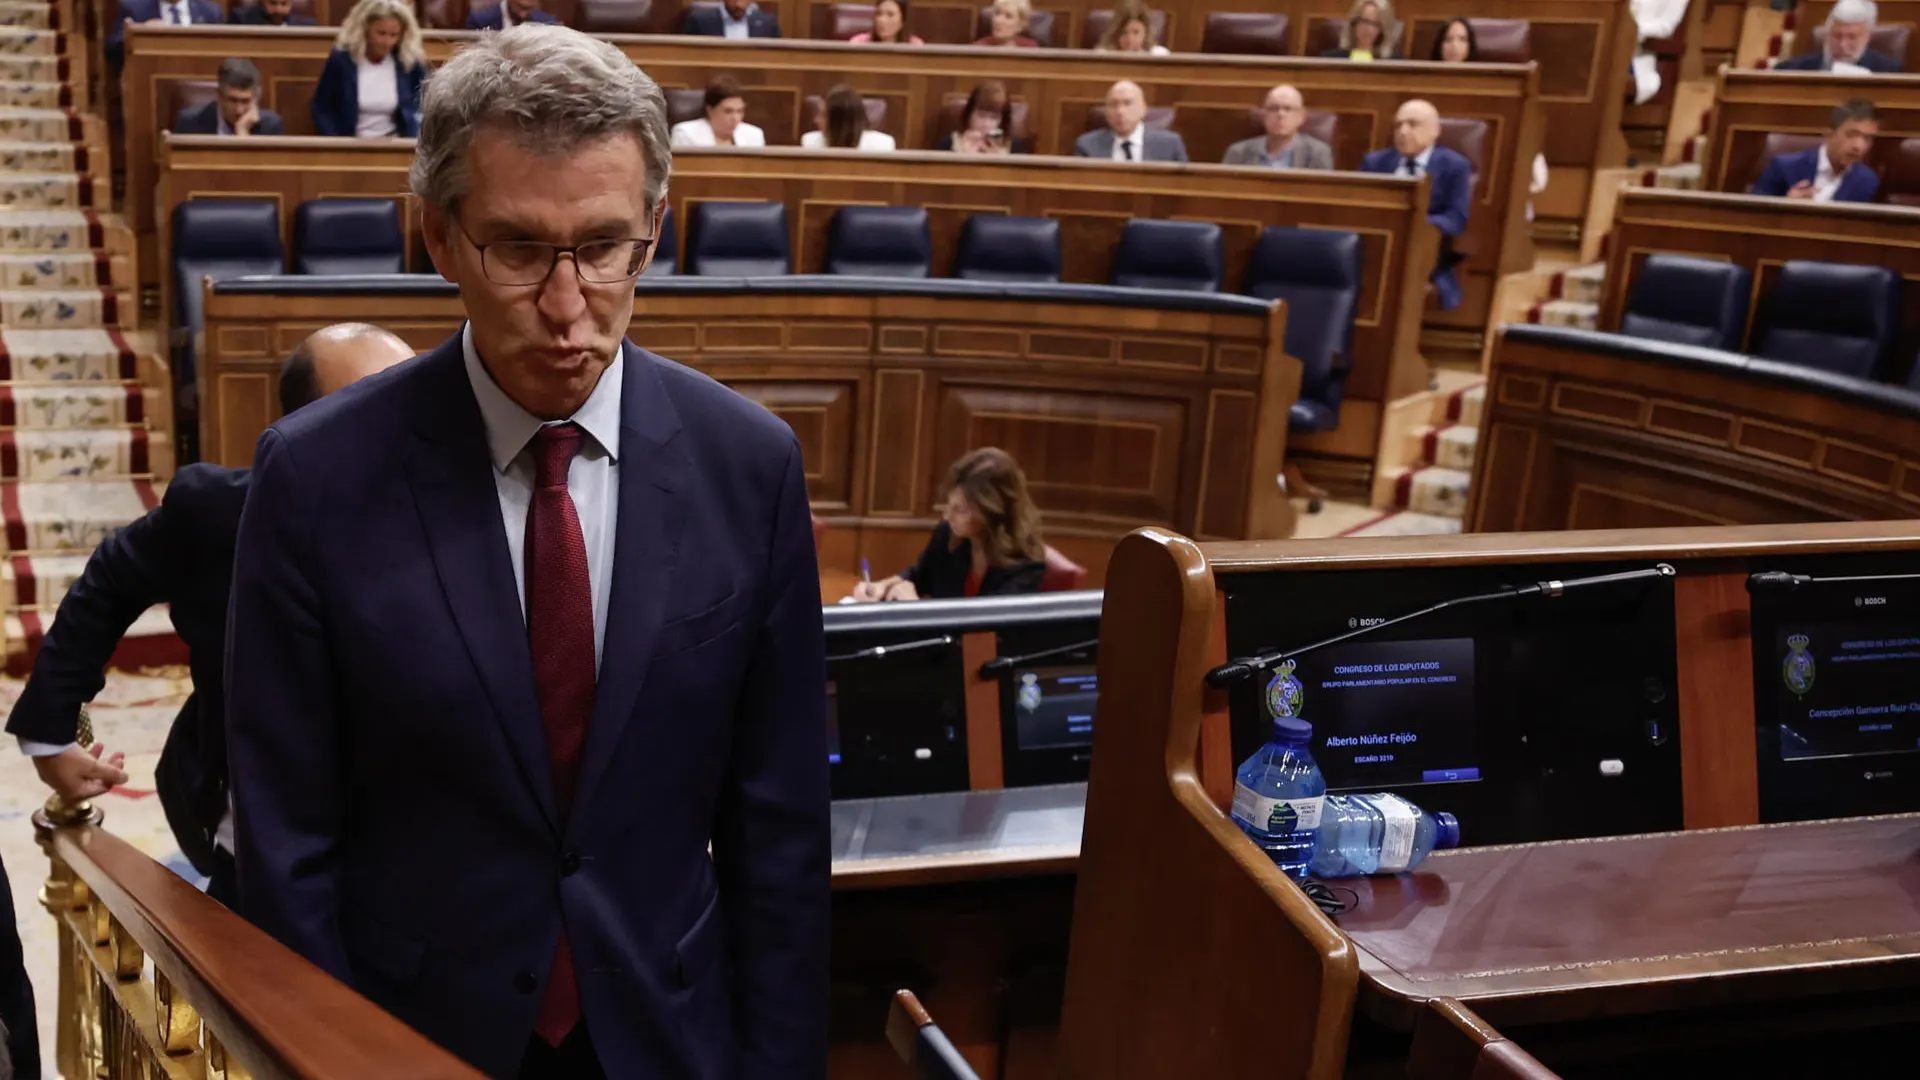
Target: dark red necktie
[(560, 635)]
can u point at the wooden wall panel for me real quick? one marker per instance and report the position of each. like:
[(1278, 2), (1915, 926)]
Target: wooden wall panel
[(1387, 212)]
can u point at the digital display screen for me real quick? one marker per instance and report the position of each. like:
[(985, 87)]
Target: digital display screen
[(1053, 706), (1847, 689), (1387, 713)]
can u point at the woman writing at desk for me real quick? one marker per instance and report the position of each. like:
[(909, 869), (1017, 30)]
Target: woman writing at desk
[(987, 542)]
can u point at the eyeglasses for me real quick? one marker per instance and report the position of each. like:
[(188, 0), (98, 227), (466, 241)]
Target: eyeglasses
[(530, 262)]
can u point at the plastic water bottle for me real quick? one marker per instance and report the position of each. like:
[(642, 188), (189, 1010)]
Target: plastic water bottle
[(1277, 795), (1378, 834)]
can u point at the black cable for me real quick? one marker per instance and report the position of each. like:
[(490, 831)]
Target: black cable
[(1327, 897)]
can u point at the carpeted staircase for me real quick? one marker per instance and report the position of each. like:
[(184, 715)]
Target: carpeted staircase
[(83, 400), (1438, 433)]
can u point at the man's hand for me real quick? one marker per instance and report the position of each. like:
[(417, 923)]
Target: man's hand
[(75, 774), (1801, 190), (247, 119)]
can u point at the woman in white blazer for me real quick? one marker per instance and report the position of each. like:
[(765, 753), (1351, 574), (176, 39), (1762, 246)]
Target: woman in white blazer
[(844, 124), (725, 123)]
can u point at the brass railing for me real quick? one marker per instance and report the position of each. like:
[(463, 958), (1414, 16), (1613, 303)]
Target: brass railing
[(159, 982)]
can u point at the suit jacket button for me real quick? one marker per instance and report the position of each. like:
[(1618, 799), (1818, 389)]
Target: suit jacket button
[(570, 864), (525, 982)]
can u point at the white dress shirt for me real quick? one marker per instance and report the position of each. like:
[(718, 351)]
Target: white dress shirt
[(699, 132), (593, 480), (1420, 162), (177, 13), (1137, 140), (1826, 179), (379, 98), (870, 141), (737, 29)]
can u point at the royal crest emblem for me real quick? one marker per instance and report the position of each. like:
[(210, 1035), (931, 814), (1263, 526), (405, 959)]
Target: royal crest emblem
[(1028, 697), (1284, 692), (1797, 668)]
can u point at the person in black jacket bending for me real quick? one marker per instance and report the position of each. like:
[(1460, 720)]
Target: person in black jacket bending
[(987, 542), (180, 554)]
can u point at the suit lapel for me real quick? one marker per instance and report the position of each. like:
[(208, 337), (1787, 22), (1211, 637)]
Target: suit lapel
[(451, 475), (651, 517)]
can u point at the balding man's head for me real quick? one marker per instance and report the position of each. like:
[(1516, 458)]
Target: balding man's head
[(1283, 112), (1126, 107), (336, 356), (1415, 127)]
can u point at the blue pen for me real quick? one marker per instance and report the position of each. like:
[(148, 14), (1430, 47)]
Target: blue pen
[(866, 575)]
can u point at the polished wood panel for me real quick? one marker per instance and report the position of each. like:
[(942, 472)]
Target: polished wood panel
[(900, 395), (1713, 638), (1750, 105), (1092, 201), (1212, 97), (1761, 234)]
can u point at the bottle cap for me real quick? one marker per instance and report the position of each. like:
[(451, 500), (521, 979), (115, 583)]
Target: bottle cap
[(1446, 831), (1291, 729)]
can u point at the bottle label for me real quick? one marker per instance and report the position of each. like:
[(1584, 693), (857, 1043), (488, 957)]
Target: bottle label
[(1396, 845), (1276, 815)]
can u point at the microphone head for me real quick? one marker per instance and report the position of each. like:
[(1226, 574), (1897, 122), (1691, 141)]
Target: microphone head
[(1772, 581), (1229, 673)]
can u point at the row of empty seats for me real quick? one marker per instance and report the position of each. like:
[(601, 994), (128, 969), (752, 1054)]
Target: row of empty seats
[(1836, 317)]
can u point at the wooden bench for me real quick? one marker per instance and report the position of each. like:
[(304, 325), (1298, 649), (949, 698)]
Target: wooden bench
[(1093, 201), (1751, 105)]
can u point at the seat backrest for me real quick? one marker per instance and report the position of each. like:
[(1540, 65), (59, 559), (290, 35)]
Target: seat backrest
[(953, 105), (625, 17), (1317, 272), (1039, 28), (348, 236), (221, 238), (1062, 574), (666, 250), (183, 94), (921, 1044), (1778, 142), (1836, 317), (1159, 117), (1502, 41), (876, 113), (1016, 250), (1245, 33), (1184, 255), (1468, 138), (444, 14), (1901, 184), (1688, 300), (880, 241), (838, 22), (684, 105), (737, 239), (1888, 38), (1097, 22)]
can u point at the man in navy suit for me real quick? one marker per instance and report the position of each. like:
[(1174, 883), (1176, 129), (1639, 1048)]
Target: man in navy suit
[(1834, 171), (736, 19), (163, 12), (1415, 152), (509, 14), (236, 111), (1849, 43), (180, 554), (526, 682), (269, 13)]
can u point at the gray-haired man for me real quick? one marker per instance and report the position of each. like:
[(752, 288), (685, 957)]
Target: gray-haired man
[(1849, 36), (527, 691)]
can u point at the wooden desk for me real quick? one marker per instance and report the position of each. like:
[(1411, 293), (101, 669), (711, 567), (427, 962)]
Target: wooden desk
[(1750, 105)]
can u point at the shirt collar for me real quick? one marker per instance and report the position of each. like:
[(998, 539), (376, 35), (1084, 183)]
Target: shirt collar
[(510, 427), (221, 127), (1824, 164), (728, 15), (1424, 157)]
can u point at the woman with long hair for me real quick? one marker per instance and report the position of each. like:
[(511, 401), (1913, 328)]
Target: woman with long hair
[(986, 124), (843, 124), (725, 122), (988, 540), (889, 26), (1370, 32), (1130, 30), (370, 86)]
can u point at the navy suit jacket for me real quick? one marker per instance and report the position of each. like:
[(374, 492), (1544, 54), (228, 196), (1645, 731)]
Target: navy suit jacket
[(203, 11), (489, 18), (709, 21), (1785, 170), (396, 817), (253, 15), (1449, 200), (336, 101), (1877, 62), (205, 120), (179, 554)]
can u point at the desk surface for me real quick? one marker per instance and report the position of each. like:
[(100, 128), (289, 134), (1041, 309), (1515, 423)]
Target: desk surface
[(955, 836), (1535, 933)]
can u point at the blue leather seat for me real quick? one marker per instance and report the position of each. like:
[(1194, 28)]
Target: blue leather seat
[(1013, 250), (666, 250), (1833, 316), (880, 241), (1181, 255), (1317, 273), (348, 236), (1689, 301), (737, 239), (221, 238)]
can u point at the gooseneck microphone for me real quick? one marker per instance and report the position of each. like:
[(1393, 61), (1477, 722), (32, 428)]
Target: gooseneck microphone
[(877, 651), (1245, 667), (1779, 581), (1000, 665)]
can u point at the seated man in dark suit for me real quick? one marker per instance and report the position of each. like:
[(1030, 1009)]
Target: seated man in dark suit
[(269, 13), (236, 111), (1849, 34), (509, 13), (1415, 152), (181, 555), (1834, 171), (1127, 136), (164, 12), (734, 19)]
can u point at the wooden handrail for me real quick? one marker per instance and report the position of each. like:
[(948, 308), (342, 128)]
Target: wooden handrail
[(222, 990)]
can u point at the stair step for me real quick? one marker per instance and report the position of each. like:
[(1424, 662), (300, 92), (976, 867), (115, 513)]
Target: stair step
[(46, 454), (80, 405), (1426, 490), (149, 642), (64, 270), (59, 356), (49, 125), (1682, 177), (18, 68), (1450, 446), (27, 41), (1586, 284), (66, 309), (36, 16), (64, 230), (1574, 313), (67, 516), (44, 157), (1464, 406), (54, 191), (40, 581), (35, 95)]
